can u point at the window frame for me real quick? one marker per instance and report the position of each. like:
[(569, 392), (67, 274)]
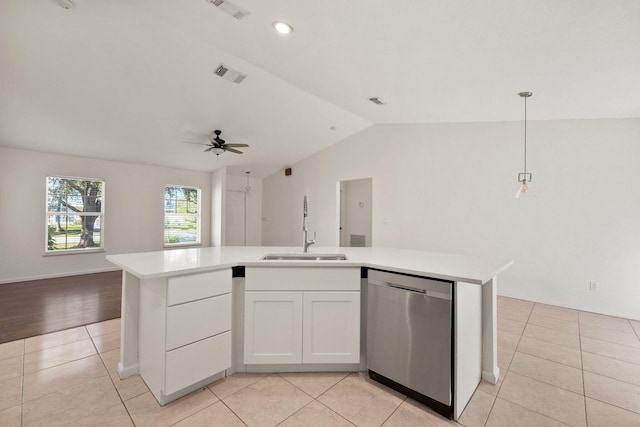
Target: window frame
[(197, 215), (48, 214)]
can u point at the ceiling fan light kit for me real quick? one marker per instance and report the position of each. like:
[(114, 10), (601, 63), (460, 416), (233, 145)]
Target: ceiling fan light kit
[(282, 27)]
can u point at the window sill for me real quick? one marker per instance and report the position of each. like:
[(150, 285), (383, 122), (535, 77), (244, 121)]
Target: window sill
[(182, 245), (73, 252)]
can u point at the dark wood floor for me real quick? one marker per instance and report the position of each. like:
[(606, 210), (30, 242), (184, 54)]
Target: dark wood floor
[(38, 307)]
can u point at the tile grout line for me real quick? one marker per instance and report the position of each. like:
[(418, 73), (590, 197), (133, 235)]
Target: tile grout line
[(111, 379), (634, 329), (607, 376), (197, 412), (395, 410), (22, 385), (615, 406), (545, 382), (507, 370), (296, 411), (611, 357), (329, 408), (232, 411), (55, 346), (386, 419), (315, 399), (297, 388), (237, 391), (528, 409), (584, 387), (550, 360)]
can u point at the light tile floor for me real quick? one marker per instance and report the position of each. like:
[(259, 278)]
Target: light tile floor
[(559, 367)]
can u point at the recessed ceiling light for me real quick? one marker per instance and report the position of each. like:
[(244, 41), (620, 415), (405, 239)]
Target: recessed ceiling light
[(282, 27)]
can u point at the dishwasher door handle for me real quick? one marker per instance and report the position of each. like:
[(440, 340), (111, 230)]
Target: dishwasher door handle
[(434, 294), (405, 288)]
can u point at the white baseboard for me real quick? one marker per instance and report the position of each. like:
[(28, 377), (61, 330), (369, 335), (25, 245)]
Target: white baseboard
[(57, 275), (128, 371), (632, 316), (491, 377)]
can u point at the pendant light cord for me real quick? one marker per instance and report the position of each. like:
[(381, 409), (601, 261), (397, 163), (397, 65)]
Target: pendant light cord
[(525, 137), (246, 208)]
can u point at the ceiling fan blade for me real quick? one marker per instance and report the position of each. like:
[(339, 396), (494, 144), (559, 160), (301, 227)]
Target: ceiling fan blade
[(236, 145), (209, 149), (195, 143), (232, 150)]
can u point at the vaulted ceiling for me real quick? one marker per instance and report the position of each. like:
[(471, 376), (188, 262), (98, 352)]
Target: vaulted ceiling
[(133, 80)]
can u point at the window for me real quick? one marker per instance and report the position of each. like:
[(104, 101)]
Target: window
[(181, 215), (75, 214)]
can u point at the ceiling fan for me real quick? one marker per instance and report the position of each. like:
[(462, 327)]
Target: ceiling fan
[(219, 145)]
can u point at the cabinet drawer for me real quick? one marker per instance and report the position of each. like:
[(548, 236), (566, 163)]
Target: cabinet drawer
[(302, 279), (197, 320), (192, 363), (197, 286)]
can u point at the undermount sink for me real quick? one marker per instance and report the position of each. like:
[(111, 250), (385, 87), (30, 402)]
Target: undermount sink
[(304, 257)]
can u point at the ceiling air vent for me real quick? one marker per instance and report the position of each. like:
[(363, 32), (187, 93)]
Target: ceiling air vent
[(229, 8), (229, 73), (378, 101)]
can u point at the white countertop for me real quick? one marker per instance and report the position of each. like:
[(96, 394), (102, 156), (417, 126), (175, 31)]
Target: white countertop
[(174, 262)]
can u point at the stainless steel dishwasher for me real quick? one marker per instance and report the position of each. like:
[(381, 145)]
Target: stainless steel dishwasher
[(409, 336)]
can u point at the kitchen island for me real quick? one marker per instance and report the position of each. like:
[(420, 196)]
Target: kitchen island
[(177, 310)]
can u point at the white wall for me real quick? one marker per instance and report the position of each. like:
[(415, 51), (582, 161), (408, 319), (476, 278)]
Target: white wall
[(134, 210), (450, 187), (253, 206)]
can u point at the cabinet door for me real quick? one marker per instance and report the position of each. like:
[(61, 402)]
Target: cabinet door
[(331, 327), (273, 327)]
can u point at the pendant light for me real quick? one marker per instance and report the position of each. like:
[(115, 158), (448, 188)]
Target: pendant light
[(524, 177)]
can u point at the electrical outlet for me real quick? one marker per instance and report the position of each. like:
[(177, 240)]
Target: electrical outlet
[(594, 286)]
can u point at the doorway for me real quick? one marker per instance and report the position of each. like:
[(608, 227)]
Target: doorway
[(355, 212), (236, 218)]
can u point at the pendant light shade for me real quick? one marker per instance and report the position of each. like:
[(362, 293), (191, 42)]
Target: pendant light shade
[(524, 178)]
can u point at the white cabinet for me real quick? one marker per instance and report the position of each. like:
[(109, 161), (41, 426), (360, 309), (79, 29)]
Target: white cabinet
[(273, 327), (302, 315), (185, 331), (331, 327)]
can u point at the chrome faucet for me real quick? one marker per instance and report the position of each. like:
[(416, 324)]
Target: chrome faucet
[(306, 242)]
